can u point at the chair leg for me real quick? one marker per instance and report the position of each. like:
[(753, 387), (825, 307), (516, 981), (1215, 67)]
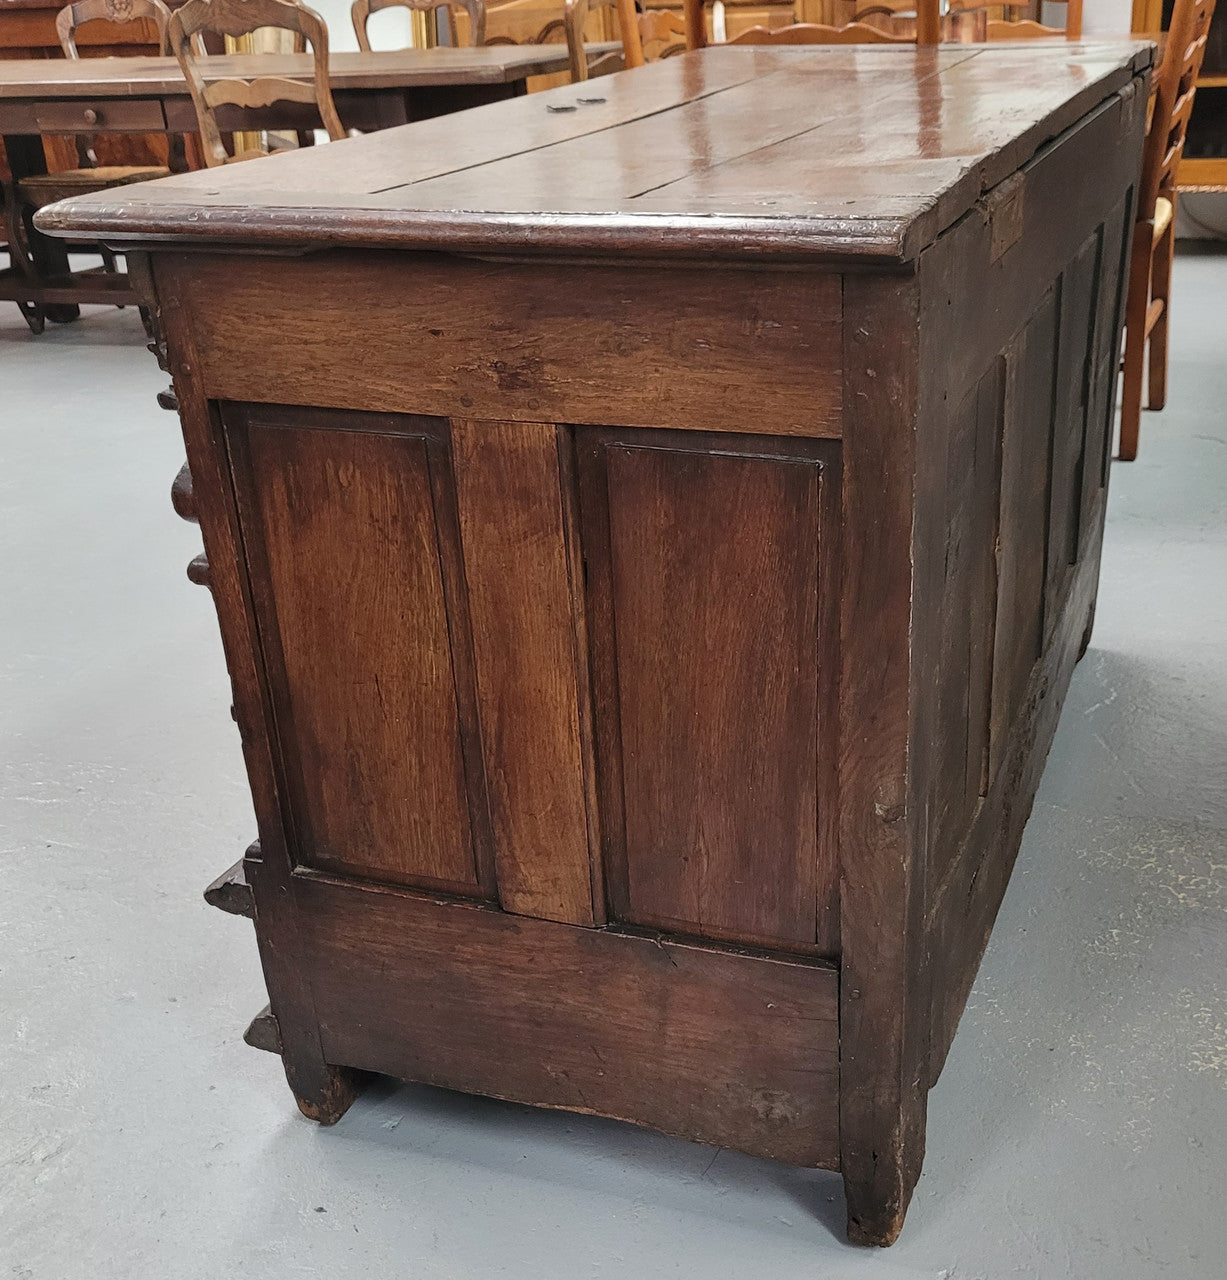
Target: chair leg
[(1160, 287), (1135, 341), (33, 313), (34, 316)]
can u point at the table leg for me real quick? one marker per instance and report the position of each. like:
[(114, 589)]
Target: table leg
[(47, 257), (19, 261)]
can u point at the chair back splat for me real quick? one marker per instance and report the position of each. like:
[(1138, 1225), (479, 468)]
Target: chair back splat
[(75, 15), (239, 18)]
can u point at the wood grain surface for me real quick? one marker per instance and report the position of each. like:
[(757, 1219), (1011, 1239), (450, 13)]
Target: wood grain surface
[(732, 1049), (348, 544), (486, 340), (713, 573), (785, 153), (531, 670)]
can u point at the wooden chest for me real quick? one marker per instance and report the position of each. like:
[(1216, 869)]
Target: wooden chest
[(652, 527)]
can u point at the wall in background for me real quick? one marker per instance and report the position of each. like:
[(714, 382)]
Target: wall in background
[(389, 30), (1100, 17)]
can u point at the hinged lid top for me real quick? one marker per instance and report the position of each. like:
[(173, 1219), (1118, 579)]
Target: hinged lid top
[(745, 153)]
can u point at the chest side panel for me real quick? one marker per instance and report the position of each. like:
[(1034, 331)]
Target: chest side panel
[(712, 571), (621, 641), (350, 538), (1016, 425)]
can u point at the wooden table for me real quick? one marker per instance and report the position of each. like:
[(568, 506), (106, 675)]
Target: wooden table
[(650, 573), (148, 95), (27, 30)]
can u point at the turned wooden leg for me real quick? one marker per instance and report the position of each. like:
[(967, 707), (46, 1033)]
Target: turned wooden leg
[(1135, 341), (1160, 287)]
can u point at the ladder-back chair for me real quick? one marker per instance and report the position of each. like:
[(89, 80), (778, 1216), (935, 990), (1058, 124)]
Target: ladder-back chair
[(33, 192), (1030, 29), (76, 15), (239, 18), (820, 33), (797, 33), (646, 37), (1147, 304), (575, 18)]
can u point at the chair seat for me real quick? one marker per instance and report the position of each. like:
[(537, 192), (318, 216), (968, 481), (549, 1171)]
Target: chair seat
[(46, 188), (1163, 215)]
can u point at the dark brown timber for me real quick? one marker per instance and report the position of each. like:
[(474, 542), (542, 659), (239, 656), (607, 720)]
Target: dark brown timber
[(647, 635)]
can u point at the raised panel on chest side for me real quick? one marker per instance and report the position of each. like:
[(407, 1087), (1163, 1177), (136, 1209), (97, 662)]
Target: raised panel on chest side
[(1024, 477), (712, 565), (350, 536), (968, 613), (1021, 416), (1104, 371), (1077, 349), (1022, 527)]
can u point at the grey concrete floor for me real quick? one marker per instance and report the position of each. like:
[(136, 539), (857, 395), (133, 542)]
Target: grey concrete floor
[(1079, 1130)]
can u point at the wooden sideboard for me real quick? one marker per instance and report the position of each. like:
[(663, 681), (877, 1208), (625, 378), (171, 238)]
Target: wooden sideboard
[(27, 30), (652, 534)]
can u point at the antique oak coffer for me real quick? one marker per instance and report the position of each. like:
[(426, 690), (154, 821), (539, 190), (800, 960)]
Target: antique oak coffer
[(652, 526)]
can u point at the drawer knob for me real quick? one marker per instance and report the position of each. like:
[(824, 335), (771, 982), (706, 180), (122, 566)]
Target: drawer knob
[(181, 496), (91, 116), (198, 571)]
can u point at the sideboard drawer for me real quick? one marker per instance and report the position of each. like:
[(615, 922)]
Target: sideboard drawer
[(86, 116)]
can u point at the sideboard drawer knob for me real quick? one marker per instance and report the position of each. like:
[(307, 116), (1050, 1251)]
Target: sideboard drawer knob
[(198, 571), (168, 400), (181, 497), (91, 116)]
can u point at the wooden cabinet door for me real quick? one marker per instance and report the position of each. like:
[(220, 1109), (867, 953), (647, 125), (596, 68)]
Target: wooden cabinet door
[(712, 578)]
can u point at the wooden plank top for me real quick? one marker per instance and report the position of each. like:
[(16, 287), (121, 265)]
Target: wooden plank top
[(54, 78), (737, 152)]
